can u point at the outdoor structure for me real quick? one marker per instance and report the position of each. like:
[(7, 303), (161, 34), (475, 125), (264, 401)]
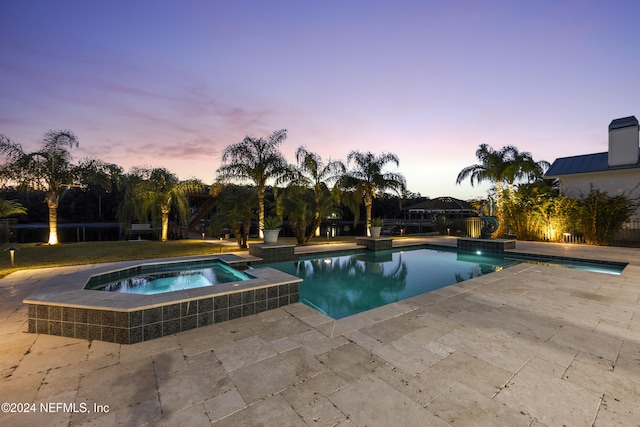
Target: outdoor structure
[(616, 171), (450, 207)]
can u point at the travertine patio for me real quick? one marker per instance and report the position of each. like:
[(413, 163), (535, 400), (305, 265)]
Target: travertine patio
[(530, 345)]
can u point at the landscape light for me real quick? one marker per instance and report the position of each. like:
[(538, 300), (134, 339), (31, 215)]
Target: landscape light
[(12, 252)]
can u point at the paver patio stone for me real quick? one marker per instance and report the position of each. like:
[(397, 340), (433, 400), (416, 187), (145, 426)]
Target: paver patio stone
[(274, 374), (461, 405), (550, 400), (244, 352), (224, 404), (280, 328), (371, 401), (134, 381), (169, 362), (491, 348), (351, 361), (612, 412), (193, 416), (598, 376), (310, 390), (187, 387), (316, 342), (272, 411), (390, 329), (459, 366), (141, 413), (322, 413), (592, 342), (422, 389)]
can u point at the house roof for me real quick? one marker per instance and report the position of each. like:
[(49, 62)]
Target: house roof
[(597, 162), (441, 204)]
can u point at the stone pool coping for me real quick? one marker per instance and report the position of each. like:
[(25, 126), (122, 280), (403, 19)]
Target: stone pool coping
[(69, 289)]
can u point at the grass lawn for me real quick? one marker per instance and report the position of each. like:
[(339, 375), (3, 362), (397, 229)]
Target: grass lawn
[(38, 255)]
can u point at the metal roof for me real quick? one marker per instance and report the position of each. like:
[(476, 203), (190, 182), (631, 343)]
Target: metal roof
[(441, 204), (597, 162)]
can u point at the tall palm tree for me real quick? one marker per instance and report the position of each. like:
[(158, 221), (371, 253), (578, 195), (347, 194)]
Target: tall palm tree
[(48, 169), (367, 178), (257, 160), (155, 192), (316, 175), (504, 166)]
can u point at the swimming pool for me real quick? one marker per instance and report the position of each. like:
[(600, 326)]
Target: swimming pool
[(341, 285)]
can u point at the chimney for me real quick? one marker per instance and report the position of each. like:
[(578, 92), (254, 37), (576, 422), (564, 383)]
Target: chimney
[(623, 142)]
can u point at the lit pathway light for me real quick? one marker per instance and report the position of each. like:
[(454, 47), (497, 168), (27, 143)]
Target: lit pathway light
[(12, 252)]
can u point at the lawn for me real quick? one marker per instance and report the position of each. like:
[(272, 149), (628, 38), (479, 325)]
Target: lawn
[(39, 255)]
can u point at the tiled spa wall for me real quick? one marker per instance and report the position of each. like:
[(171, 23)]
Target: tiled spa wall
[(145, 324)]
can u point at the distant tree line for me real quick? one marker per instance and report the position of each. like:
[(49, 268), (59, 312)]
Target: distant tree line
[(48, 186)]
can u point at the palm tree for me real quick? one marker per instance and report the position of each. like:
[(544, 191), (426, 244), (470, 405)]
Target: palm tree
[(235, 209), (48, 169), (367, 178), (155, 192), (504, 166), (522, 166), (316, 175), (10, 208), (257, 160)]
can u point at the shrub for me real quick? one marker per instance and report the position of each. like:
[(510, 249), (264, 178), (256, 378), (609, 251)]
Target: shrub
[(600, 216)]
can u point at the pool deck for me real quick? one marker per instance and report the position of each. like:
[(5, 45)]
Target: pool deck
[(529, 345)]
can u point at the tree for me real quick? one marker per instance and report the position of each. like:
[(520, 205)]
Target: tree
[(235, 209), (155, 193), (367, 178), (492, 167), (315, 175), (502, 167), (101, 184), (257, 160), (600, 216), (48, 169), (11, 208), (537, 211)]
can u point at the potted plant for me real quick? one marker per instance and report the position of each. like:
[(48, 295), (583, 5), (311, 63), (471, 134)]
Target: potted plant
[(271, 228), (376, 227)]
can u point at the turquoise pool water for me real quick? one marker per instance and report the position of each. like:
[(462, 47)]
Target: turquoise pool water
[(341, 285), (162, 278)]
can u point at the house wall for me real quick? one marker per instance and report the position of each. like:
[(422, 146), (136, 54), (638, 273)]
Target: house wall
[(614, 182)]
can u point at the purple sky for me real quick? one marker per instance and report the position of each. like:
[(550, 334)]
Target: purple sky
[(171, 83)]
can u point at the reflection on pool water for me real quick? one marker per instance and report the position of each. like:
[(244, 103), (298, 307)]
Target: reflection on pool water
[(341, 285)]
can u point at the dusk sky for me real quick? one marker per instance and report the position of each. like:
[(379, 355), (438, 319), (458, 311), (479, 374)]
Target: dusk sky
[(172, 83)]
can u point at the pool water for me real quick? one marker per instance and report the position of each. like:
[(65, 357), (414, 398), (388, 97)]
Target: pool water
[(341, 285), (173, 278)]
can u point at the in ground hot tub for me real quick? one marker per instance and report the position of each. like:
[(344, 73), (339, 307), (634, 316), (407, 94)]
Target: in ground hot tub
[(158, 278), (73, 305)]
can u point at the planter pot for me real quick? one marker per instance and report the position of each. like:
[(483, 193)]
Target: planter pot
[(375, 231), (271, 236)]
